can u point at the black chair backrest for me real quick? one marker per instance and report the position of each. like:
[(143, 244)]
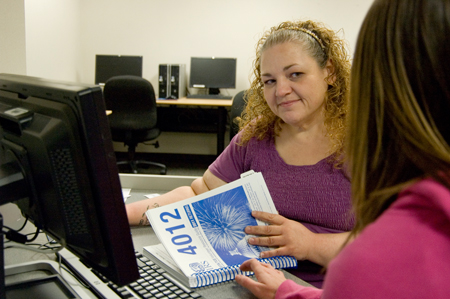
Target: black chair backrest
[(238, 105), (132, 101)]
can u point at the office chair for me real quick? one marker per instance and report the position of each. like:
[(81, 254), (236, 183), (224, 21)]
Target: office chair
[(237, 106), (134, 116)]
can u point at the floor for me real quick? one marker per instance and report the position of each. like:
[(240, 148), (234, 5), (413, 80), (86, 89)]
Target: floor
[(177, 164)]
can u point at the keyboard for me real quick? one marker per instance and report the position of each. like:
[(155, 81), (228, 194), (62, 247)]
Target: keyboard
[(154, 281), (209, 96)]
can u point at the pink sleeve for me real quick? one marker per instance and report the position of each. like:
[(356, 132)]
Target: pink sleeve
[(290, 290)]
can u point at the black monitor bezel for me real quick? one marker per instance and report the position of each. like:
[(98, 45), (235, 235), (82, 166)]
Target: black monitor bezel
[(83, 107), (207, 83), (108, 66)]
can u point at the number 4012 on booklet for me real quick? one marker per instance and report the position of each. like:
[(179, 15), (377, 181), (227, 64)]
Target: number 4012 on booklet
[(204, 235)]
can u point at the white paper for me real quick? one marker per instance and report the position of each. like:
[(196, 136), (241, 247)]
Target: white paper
[(212, 237), (126, 192)]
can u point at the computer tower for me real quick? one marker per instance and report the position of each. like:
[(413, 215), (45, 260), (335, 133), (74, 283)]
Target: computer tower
[(172, 81), (162, 82)]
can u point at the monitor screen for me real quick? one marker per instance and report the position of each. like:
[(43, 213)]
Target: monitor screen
[(59, 168), (212, 73), (107, 66)]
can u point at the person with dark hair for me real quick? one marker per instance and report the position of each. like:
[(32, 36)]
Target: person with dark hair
[(399, 159), (292, 131)]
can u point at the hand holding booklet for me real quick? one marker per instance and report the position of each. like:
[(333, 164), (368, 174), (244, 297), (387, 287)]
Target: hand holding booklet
[(203, 236)]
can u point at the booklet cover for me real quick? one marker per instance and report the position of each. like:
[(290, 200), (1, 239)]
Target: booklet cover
[(204, 235)]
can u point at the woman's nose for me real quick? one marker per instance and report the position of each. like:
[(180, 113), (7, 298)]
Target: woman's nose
[(283, 87)]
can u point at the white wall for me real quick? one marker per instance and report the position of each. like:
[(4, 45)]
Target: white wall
[(58, 39), (63, 37), (12, 60), (12, 37), (172, 31), (53, 43)]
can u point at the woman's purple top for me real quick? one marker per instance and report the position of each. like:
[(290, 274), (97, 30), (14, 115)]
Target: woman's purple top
[(317, 196)]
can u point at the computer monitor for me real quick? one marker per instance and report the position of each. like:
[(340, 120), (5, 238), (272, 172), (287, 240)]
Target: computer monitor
[(58, 166), (107, 66), (212, 73)]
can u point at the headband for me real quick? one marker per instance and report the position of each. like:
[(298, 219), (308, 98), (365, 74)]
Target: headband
[(307, 31)]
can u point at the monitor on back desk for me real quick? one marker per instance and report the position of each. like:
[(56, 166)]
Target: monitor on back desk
[(212, 73), (107, 66)]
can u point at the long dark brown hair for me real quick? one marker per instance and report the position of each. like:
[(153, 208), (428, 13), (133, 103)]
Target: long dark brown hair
[(399, 115)]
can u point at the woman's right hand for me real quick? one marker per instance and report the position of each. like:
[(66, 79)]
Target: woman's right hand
[(268, 279)]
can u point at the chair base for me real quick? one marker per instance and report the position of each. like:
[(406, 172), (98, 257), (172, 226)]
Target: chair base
[(134, 165)]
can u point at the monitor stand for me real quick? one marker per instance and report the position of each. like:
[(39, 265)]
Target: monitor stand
[(40, 279), (11, 182), (37, 279), (213, 91)]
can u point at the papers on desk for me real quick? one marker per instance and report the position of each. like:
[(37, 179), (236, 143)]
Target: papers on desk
[(126, 192)]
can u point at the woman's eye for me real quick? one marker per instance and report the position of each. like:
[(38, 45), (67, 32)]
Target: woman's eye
[(296, 75), (269, 81)]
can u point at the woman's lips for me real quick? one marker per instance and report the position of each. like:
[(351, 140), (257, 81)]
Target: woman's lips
[(288, 103)]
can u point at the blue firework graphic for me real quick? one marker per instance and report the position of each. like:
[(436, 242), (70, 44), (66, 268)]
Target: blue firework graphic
[(223, 218)]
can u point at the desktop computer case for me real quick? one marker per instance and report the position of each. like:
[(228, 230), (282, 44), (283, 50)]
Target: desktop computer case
[(172, 81)]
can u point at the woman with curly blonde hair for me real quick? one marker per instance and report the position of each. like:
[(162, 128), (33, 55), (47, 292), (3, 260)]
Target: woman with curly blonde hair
[(292, 132), (332, 48)]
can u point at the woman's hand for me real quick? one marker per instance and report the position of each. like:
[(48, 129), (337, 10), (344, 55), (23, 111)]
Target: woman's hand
[(290, 237), (268, 278), (293, 238)]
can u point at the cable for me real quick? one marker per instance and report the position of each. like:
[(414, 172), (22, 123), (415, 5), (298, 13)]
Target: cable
[(35, 235), (46, 248), (62, 267), (29, 247), (14, 236), (17, 237), (19, 241), (18, 230)]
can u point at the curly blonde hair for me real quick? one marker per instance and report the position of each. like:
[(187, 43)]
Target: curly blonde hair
[(323, 45)]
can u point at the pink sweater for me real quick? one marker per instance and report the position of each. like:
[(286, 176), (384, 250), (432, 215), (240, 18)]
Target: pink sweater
[(405, 253)]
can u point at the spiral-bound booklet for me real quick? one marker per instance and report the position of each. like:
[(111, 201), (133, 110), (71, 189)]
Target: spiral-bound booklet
[(204, 236)]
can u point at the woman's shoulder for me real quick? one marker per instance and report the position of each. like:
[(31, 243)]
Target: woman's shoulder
[(407, 246), (427, 192), (252, 141)]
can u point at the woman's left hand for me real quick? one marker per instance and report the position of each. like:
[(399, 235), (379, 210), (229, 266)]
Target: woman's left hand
[(293, 238), (290, 237)]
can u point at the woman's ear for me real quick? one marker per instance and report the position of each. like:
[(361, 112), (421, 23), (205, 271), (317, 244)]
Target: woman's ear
[(331, 77)]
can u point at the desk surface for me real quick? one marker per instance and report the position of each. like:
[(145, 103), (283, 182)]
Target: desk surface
[(196, 102), (142, 236)]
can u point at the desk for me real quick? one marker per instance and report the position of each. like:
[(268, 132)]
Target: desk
[(219, 104), (142, 236)]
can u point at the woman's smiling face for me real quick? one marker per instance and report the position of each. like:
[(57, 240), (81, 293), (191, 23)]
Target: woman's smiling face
[(294, 84)]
